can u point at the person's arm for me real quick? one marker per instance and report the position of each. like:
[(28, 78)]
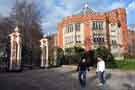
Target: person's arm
[(103, 66), (88, 67), (78, 66), (97, 67)]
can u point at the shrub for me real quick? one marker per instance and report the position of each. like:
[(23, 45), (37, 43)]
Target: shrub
[(126, 64), (73, 55), (60, 56), (105, 54), (90, 57)]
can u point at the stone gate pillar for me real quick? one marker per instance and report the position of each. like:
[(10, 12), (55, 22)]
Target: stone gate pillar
[(15, 56), (44, 52), (55, 56)]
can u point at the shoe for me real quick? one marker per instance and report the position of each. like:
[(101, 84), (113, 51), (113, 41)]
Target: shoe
[(100, 84)]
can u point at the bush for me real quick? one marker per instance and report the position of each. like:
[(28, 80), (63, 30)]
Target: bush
[(60, 56), (73, 59), (1, 56), (0, 60), (90, 57), (126, 64), (51, 61), (73, 55), (105, 54)]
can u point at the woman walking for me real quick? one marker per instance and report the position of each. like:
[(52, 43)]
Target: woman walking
[(101, 71)]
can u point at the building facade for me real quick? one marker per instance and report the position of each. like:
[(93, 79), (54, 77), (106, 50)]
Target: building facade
[(89, 29), (131, 41), (52, 48)]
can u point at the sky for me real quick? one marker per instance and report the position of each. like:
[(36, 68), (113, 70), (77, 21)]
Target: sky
[(53, 11)]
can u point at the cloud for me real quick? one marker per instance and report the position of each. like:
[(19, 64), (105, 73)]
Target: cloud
[(117, 5), (48, 3), (55, 10), (5, 7), (108, 6), (131, 13), (5, 11), (131, 6)]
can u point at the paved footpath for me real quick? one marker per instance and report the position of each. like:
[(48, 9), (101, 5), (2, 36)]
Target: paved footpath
[(65, 78)]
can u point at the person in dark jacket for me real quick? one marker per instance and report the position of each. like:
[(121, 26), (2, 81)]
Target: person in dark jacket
[(82, 68)]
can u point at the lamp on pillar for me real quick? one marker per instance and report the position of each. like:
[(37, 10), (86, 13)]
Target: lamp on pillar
[(15, 56), (44, 52)]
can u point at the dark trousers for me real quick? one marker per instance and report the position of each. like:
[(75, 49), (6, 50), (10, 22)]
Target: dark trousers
[(82, 78), (101, 76)]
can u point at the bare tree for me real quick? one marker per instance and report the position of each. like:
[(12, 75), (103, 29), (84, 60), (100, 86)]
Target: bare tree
[(5, 29), (27, 17)]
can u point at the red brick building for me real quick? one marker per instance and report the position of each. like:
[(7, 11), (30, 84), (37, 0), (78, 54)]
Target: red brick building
[(52, 43), (52, 48), (90, 29), (131, 41)]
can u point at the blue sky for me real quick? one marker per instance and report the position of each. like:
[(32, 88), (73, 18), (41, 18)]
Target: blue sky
[(54, 10)]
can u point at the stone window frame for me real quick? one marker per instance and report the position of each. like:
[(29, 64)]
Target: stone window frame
[(77, 26), (97, 25), (69, 28)]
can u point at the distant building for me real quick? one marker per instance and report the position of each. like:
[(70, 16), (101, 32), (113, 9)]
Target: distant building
[(52, 42), (89, 29), (131, 41), (52, 45)]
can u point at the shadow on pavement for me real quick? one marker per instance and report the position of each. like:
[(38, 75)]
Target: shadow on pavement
[(108, 76), (129, 86)]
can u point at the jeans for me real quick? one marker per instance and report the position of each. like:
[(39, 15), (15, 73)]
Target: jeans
[(101, 76), (82, 78)]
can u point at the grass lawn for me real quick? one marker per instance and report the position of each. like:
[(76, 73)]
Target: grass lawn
[(127, 64)]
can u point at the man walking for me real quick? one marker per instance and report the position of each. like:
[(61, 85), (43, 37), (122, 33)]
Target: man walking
[(82, 68), (101, 71)]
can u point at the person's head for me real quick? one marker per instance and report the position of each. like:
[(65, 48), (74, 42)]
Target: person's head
[(99, 59), (83, 60)]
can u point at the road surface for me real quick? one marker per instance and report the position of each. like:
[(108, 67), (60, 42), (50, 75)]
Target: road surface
[(64, 78)]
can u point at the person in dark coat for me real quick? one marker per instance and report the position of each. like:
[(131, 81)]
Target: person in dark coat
[(82, 68)]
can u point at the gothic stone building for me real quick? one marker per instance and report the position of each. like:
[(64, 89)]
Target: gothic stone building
[(89, 29)]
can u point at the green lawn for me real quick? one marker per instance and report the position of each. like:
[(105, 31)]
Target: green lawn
[(127, 64)]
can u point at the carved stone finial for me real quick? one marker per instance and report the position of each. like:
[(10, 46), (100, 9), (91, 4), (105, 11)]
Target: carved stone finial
[(86, 5), (44, 35), (16, 29)]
